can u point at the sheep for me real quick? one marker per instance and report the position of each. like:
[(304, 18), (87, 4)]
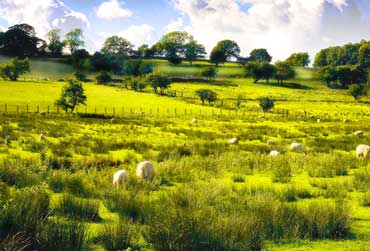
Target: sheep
[(42, 137), (274, 153), (233, 141), (318, 120), (359, 133), (362, 151), (113, 120), (194, 121), (270, 142), (296, 147), (145, 170), (119, 178)]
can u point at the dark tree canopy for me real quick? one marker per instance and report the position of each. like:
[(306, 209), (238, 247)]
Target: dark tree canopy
[(193, 50), (209, 73), (217, 56), (74, 40), (299, 59), (344, 75), (55, 44), (116, 45), (14, 69), (206, 95), (73, 94), (284, 71), (136, 68), (223, 51), (260, 55), (260, 70)]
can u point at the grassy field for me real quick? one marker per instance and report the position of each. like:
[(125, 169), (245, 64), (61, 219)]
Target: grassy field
[(207, 194)]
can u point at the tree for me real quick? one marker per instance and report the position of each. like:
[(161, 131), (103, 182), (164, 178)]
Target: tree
[(136, 68), (116, 45), (209, 73), (104, 62), (21, 41), (260, 55), (217, 56), (358, 90), (72, 95), (206, 95), (299, 59), (224, 50), (349, 75), (266, 103), (138, 83), (14, 68), (79, 61), (364, 55), (172, 46), (193, 50), (74, 40), (145, 52), (160, 81), (55, 45), (253, 70), (103, 78), (328, 74), (284, 71)]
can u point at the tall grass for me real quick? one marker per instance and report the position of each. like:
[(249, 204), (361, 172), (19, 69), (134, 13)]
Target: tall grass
[(79, 209)]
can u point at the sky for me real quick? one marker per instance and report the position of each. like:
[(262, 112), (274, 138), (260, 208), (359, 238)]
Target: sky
[(281, 26)]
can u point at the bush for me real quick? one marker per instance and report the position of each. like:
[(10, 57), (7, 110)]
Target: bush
[(79, 209), (327, 165), (120, 236), (281, 170), (266, 103), (366, 199), (206, 95), (209, 73), (103, 78)]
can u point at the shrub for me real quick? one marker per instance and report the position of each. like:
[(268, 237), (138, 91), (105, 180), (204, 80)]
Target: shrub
[(281, 170), (266, 103), (206, 95), (209, 73), (103, 78), (79, 209), (120, 236)]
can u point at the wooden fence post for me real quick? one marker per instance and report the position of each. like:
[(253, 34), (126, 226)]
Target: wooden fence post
[(27, 108), (38, 109)]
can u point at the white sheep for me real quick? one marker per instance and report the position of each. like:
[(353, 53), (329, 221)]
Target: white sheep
[(274, 153), (270, 142), (362, 151), (359, 133), (194, 121), (42, 137), (318, 120), (113, 120), (297, 147), (233, 141), (119, 178), (145, 170)]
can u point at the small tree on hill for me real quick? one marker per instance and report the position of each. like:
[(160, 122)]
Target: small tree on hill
[(253, 70), (206, 95), (103, 78), (284, 71), (266, 103), (209, 73), (14, 69), (159, 81), (358, 91), (72, 95), (137, 83)]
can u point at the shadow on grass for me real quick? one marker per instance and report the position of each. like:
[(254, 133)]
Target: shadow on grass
[(204, 81), (287, 85)]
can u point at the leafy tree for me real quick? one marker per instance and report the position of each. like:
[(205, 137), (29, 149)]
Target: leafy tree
[(358, 90), (206, 95), (299, 59), (209, 73), (159, 81), (79, 58), (14, 68), (260, 55), (136, 68), (138, 83), (73, 94), (103, 78), (74, 40), (104, 62), (145, 52), (116, 45), (267, 71), (349, 75), (364, 55), (193, 50), (55, 45), (284, 71), (217, 56), (266, 103), (253, 70), (328, 74), (172, 46), (21, 41)]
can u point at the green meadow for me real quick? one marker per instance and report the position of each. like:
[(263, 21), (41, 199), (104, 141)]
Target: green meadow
[(207, 194)]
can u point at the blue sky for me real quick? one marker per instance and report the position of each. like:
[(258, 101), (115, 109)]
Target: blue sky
[(281, 26)]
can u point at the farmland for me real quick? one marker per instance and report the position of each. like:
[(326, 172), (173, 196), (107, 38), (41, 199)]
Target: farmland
[(206, 194)]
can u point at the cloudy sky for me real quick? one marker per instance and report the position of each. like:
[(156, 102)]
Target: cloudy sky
[(281, 26)]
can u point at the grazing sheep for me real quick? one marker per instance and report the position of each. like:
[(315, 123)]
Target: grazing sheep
[(42, 137), (119, 178), (270, 142), (274, 153), (362, 151), (113, 120), (318, 120), (145, 170), (194, 121), (345, 120), (296, 147), (233, 141), (359, 133)]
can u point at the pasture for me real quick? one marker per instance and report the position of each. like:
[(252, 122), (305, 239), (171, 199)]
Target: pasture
[(207, 194)]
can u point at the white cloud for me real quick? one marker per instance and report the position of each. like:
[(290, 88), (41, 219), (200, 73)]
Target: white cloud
[(175, 25), (281, 26), (112, 9), (140, 34)]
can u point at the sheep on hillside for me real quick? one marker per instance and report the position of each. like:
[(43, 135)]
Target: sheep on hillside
[(359, 133), (297, 147), (274, 153), (119, 178), (194, 121), (233, 141), (145, 170), (42, 137), (362, 151)]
